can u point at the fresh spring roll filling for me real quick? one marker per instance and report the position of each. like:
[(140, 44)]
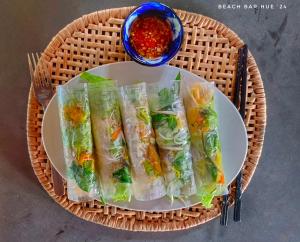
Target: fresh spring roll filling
[(111, 150), (77, 139), (172, 137), (148, 183), (206, 148)]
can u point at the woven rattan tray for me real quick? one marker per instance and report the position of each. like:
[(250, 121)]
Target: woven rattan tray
[(209, 50)]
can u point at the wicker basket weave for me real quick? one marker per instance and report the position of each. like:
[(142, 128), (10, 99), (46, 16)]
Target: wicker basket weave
[(209, 50)]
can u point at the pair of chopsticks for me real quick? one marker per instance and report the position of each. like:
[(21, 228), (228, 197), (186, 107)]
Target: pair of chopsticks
[(239, 100)]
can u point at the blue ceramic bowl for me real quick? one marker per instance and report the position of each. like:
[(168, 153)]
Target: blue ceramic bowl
[(164, 12)]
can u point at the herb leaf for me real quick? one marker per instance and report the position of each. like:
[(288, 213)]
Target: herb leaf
[(172, 121), (210, 117), (212, 169), (84, 175), (211, 141), (210, 145), (165, 97), (143, 115), (179, 160), (180, 164), (169, 95), (158, 117), (148, 168), (123, 175), (176, 85), (178, 77)]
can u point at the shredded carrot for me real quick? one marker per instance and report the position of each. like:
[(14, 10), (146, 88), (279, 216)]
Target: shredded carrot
[(142, 130), (83, 157), (205, 129), (116, 133), (154, 158), (222, 179), (199, 119)]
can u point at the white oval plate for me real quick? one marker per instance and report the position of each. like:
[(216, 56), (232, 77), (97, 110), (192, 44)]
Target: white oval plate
[(231, 127)]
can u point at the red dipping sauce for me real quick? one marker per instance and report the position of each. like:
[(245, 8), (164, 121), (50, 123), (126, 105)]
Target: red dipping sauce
[(150, 36)]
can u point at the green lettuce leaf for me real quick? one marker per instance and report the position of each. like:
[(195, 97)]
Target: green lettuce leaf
[(206, 200), (122, 192), (91, 78)]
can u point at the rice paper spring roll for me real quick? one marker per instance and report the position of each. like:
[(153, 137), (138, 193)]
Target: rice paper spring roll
[(172, 137), (206, 148), (148, 183), (77, 139), (109, 140)]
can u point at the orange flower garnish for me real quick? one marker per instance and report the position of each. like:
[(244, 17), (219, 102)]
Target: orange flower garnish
[(75, 114)]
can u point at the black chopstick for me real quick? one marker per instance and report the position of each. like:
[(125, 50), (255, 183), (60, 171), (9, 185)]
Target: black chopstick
[(236, 98), (238, 181)]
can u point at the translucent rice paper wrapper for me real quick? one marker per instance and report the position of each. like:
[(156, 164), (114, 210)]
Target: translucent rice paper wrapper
[(206, 147), (112, 155), (77, 139), (172, 137), (148, 183)]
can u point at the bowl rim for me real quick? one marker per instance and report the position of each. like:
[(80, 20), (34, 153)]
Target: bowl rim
[(170, 57)]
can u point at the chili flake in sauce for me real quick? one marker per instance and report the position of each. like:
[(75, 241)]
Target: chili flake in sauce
[(150, 36)]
